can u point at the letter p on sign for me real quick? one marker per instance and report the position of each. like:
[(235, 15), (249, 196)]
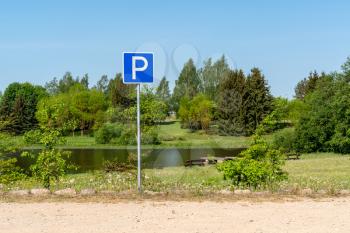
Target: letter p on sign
[(138, 68)]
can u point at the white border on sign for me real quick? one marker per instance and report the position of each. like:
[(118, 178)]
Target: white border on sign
[(123, 68)]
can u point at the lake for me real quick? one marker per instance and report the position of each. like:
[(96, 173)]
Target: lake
[(93, 159)]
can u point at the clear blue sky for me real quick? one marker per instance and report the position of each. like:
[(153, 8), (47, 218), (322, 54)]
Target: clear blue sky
[(43, 39)]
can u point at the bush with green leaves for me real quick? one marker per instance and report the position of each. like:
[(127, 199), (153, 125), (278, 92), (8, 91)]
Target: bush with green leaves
[(126, 134), (50, 163), (196, 113), (31, 137), (258, 167), (9, 171), (285, 140), (107, 132)]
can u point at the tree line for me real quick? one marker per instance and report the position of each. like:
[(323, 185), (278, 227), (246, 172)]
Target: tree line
[(213, 98)]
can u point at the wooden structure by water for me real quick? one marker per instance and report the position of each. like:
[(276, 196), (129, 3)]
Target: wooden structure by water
[(203, 161)]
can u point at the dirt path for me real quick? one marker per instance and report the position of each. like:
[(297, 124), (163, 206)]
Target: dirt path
[(332, 215)]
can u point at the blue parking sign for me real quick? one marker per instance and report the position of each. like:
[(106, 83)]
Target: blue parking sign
[(137, 68)]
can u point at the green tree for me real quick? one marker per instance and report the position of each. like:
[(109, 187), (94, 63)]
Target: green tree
[(84, 81), (307, 85), (188, 84), (121, 95), (346, 70), (152, 109), (79, 108), (50, 164), (9, 171), (196, 113), (102, 84), (66, 83), (258, 100), (260, 166), (316, 127), (211, 76), (163, 92), (52, 87), (231, 104), (18, 107)]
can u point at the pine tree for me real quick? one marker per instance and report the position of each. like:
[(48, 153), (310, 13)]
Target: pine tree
[(231, 104), (258, 100), (121, 95), (18, 107)]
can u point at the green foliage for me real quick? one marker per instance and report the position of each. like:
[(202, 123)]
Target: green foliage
[(150, 135), (79, 108), (9, 171), (196, 113), (285, 140), (152, 110), (107, 132), (163, 93), (325, 124), (211, 75), (50, 164), (102, 85), (285, 113), (307, 85), (64, 85), (31, 137), (120, 94), (259, 167), (187, 85), (316, 127), (18, 107), (231, 105), (244, 102), (118, 134), (258, 103)]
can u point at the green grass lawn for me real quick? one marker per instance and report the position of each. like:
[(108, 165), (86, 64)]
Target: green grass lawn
[(187, 138), (320, 171), (325, 171)]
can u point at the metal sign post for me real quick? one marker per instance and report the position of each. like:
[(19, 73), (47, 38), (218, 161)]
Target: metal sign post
[(138, 141), (137, 69)]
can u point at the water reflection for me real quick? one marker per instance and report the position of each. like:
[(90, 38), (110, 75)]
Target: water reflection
[(93, 159)]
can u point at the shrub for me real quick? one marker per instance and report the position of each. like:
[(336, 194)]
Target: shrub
[(9, 171), (285, 140), (150, 135), (31, 137), (259, 167), (196, 113), (107, 132), (50, 164)]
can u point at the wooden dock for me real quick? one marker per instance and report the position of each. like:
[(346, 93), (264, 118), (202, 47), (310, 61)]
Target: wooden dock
[(203, 161)]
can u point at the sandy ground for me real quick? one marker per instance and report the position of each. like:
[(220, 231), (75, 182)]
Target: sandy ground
[(331, 215)]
